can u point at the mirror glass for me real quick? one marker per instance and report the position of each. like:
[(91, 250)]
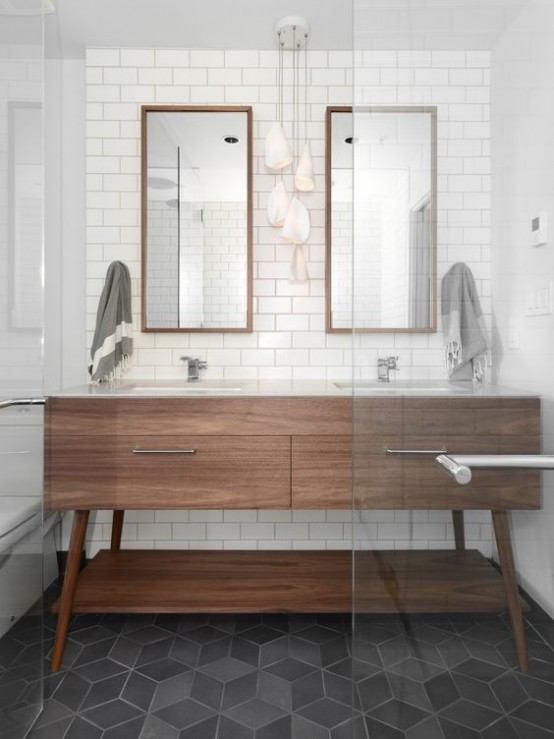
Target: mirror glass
[(391, 215), (196, 218)]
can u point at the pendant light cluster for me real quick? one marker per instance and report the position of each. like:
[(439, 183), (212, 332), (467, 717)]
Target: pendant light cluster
[(283, 211)]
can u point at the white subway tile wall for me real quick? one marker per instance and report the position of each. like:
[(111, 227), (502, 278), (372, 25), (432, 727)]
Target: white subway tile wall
[(289, 339)]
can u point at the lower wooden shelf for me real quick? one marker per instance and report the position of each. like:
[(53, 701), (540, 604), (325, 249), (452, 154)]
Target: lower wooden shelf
[(160, 581)]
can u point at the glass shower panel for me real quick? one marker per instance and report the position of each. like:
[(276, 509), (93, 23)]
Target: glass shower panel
[(21, 295), (440, 627)]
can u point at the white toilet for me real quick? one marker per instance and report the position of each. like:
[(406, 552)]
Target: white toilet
[(28, 561)]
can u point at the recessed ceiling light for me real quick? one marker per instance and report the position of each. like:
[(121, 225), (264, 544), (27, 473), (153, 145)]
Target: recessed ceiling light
[(231, 139)]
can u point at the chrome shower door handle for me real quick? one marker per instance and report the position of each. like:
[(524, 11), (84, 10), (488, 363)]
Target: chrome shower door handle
[(458, 472), (21, 401)]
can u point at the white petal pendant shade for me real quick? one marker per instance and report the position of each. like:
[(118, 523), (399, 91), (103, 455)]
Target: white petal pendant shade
[(278, 205), (277, 148), (304, 177), (297, 223), (298, 266)]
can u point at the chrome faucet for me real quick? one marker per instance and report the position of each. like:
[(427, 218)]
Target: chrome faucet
[(194, 366), (384, 366)]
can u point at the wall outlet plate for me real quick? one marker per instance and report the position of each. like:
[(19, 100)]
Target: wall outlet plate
[(539, 301)]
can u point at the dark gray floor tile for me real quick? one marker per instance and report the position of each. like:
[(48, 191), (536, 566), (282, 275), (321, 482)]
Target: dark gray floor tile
[(276, 730), (485, 652), (255, 713), (340, 689), (326, 712), (147, 634), (91, 635), (302, 728), (542, 670), (317, 634), (453, 651), (172, 690), (185, 713), (308, 689), (476, 691), (441, 691), (139, 691), (129, 730), (305, 651), (492, 634), (55, 730), (207, 729), (399, 714), (502, 729), (227, 669), (366, 652), (354, 728), (260, 635), (334, 651), (192, 621), (537, 689), (429, 728), (81, 729), (429, 634), (185, 651), (373, 691), (456, 731), (71, 691), (279, 621), (156, 650), (378, 730), (471, 714), (538, 714), (94, 652), (290, 669), (480, 670), (168, 621), (394, 651), (373, 633), (100, 669), (409, 691), (111, 714), (214, 651), (529, 731), (240, 690), (104, 691), (509, 692), (274, 651), (245, 651), (205, 635), (229, 729), (207, 690), (163, 669), (52, 711), (125, 651), (275, 690), (155, 728), (416, 669)]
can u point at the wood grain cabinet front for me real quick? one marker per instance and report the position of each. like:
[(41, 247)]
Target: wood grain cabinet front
[(321, 472), (145, 472)]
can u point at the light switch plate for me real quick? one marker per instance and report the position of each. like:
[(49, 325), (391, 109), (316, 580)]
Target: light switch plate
[(539, 302)]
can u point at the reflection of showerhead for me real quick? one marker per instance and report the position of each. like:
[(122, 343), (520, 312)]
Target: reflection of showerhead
[(173, 203), (161, 183)]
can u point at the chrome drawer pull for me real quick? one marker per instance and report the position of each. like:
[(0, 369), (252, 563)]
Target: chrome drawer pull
[(16, 452), (21, 401), (164, 451), (416, 451)]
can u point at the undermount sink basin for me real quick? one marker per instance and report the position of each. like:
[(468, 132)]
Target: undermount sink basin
[(200, 388), (406, 387)]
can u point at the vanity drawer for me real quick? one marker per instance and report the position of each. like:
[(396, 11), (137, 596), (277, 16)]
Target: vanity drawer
[(321, 472), (222, 472), (407, 481)]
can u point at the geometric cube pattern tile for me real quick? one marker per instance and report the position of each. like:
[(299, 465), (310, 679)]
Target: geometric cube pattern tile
[(281, 677)]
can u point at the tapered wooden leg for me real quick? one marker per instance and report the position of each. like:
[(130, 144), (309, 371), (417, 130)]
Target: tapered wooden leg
[(459, 535), (117, 528), (506, 556), (78, 533)]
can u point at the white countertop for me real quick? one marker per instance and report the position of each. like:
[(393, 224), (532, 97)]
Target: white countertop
[(289, 388)]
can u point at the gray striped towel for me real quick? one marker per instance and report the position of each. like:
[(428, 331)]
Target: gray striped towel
[(112, 344), (466, 344)]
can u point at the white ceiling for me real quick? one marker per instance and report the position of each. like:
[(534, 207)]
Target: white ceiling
[(248, 24)]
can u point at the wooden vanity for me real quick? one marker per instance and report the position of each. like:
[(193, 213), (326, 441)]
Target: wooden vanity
[(121, 453)]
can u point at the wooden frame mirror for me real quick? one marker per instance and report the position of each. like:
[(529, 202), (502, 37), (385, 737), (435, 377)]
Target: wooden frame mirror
[(196, 178), (391, 214)]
